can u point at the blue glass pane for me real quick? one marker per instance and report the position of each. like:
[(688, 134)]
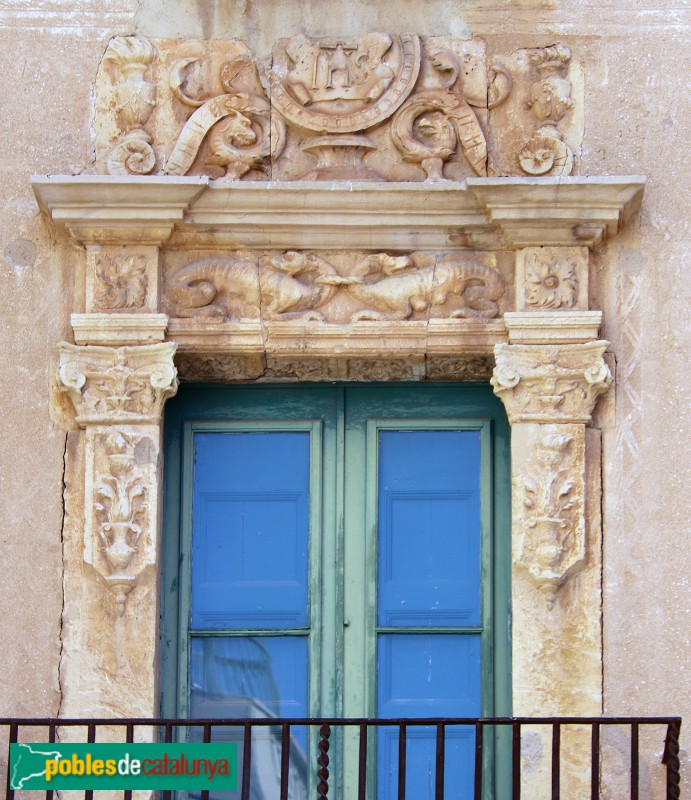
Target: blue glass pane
[(254, 677), (429, 528), (435, 675), (250, 528)]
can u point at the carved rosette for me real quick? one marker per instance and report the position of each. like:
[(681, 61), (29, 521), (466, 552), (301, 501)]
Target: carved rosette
[(135, 99), (559, 383), (111, 385), (551, 281), (549, 505)]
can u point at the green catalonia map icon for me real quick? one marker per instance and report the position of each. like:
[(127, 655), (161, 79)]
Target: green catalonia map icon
[(28, 765)]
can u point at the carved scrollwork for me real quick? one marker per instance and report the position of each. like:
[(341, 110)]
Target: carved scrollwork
[(111, 385), (135, 99), (550, 383), (238, 123), (552, 490), (500, 84), (430, 125)]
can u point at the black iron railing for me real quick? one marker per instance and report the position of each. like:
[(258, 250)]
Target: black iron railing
[(14, 730)]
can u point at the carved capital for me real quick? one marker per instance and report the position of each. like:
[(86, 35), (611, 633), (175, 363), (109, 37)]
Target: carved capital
[(110, 385), (553, 383)]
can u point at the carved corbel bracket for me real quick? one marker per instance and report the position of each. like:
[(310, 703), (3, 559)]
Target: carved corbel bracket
[(117, 385), (550, 383)]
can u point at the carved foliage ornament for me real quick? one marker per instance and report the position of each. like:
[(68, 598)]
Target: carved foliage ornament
[(298, 285), (110, 385), (551, 495), (550, 383), (121, 283), (120, 544)]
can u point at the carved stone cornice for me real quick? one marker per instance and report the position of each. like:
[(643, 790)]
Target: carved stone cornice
[(479, 213), (550, 383), (117, 385)]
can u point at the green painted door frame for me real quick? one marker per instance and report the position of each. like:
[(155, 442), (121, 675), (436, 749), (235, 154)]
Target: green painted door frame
[(344, 421)]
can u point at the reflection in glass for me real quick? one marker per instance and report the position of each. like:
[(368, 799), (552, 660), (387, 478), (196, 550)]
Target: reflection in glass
[(257, 677)]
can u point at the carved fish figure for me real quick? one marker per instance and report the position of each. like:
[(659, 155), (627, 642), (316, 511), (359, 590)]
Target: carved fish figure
[(285, 286), (393, 287)]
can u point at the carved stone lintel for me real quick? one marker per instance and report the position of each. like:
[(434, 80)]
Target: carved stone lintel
[(115, 385), (549, 507), (552, 383)]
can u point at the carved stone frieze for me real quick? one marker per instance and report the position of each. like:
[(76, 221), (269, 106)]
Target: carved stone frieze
[(380, 106), (121, 486), (549, 500), (308, 286), (115, 385), (134, 100), (469, 368), (551, 383), (219, 367)]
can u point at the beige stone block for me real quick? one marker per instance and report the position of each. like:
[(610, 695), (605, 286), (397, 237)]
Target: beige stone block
[(552, 327), (118, 329)]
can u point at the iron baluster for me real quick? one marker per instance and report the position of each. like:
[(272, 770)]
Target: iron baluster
[(670, 759), (323, 761)]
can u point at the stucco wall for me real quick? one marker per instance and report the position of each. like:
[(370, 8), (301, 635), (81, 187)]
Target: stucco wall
[(634, 124)]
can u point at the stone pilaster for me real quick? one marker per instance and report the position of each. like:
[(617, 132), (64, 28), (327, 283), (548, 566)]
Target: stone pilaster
[(549, 391), (111, 534)]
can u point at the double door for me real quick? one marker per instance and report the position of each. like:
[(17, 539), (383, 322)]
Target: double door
[(340, 552)]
